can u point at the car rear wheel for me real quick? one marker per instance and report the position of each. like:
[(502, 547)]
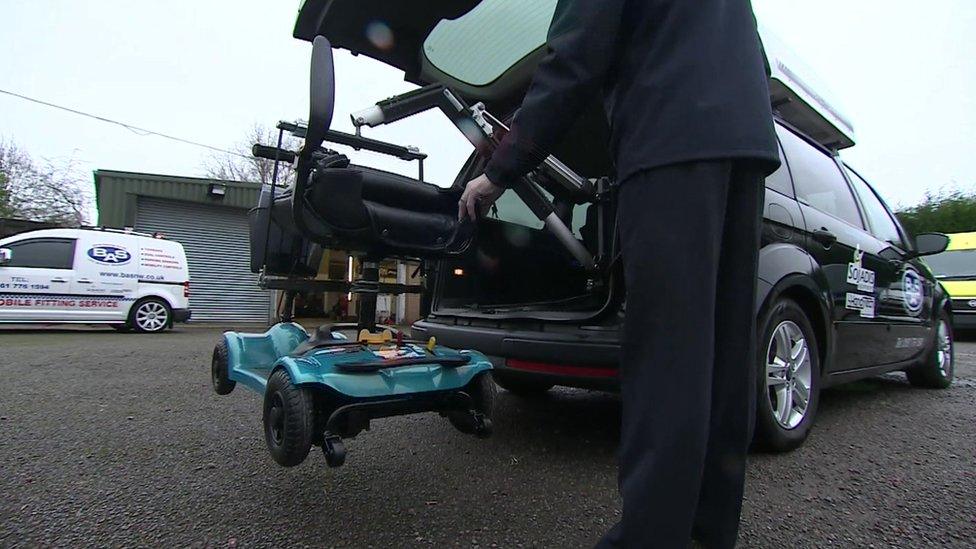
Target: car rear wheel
[(520, 385), (150, 315), (938, 368), (289, 419), (789, 378)]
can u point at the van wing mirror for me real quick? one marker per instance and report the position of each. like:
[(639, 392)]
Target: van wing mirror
[(930, 244), (5, 255)]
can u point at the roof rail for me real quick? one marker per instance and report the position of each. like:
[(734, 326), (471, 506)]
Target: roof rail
[(127, 230)]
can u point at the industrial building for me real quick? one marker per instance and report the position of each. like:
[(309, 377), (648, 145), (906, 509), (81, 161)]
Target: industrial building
[(209, 217)]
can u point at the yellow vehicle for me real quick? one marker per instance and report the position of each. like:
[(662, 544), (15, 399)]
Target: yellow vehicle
[(956, 269)]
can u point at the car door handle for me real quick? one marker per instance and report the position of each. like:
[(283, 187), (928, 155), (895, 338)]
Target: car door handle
[(59, 280), (824, 237), (84, 281)]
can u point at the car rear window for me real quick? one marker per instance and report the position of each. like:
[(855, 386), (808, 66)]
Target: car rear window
[(779, 180), (481, 45), (511, 209), (818, 181)]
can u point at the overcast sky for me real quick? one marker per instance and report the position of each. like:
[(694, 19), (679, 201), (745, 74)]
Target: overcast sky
[(904, 72)]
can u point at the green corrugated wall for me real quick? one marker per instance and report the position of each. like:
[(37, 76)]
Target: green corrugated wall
[(116, 193)]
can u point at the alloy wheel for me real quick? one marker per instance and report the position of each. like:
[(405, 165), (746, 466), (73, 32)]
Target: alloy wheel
[(944, 353), (788, 374), (152, 316)]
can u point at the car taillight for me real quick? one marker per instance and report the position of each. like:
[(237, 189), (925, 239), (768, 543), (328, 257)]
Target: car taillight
[(186, 289)]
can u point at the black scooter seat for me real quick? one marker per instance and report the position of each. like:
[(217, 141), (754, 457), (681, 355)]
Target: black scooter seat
[(360, 209)]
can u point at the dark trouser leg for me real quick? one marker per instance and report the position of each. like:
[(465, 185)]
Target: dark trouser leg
[(670, 223), (733, 377)]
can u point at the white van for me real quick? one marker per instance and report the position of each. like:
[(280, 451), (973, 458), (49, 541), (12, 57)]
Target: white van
[(129, 280)]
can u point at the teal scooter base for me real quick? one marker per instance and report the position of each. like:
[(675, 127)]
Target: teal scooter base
[(252, 358), (347, 384)]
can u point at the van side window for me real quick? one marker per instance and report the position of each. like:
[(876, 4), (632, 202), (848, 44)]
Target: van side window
[(882, 226), (819, 183), (42, 253), (779, 180)]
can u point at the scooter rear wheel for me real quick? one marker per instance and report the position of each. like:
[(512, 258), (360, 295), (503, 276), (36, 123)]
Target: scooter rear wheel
[(482, 391)]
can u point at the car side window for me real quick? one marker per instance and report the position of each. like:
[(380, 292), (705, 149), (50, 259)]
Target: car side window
[(819, 182), (882, 226), (42, 253), (779, 180)]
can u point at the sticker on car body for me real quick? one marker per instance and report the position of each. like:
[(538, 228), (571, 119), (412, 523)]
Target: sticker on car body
[(913, 291), (858, 275), (107, 254), (910, 343), (864, 304)]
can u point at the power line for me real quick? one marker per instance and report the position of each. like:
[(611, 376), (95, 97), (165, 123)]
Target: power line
[(142, 132)]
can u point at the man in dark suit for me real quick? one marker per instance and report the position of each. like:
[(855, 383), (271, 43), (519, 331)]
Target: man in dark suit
[(686, 95)]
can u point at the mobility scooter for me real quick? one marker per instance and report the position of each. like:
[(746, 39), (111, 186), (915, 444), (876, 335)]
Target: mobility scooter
[(322, 387)]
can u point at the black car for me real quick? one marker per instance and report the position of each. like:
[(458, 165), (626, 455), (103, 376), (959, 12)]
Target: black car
[(842, 292), (842, 296)]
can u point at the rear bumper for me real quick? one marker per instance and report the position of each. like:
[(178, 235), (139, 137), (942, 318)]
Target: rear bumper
[(577, 357), (181, 315)]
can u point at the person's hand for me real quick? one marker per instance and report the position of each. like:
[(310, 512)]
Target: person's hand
[(480, 193)]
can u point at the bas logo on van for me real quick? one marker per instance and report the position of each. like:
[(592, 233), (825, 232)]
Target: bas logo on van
[(111, 255)]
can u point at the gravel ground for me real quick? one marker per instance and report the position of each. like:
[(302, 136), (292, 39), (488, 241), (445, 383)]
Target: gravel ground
[(112, 439)]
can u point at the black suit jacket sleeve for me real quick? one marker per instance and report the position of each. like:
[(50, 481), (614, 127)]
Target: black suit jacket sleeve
[(582, 47)]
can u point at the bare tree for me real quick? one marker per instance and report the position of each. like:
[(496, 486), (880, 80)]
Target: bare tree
[(54, 192), (242, 166)]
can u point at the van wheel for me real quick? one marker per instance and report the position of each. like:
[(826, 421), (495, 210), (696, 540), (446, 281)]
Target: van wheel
[(219, 376), (289, 418), (150, 315), (789, 378), (520, 385), (937, 369)]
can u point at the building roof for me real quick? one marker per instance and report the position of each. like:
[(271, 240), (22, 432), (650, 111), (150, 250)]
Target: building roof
[(117, 193)]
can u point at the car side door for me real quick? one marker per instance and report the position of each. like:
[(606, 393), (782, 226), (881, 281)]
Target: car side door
[(905, 301), (35, 283), (846, 254)]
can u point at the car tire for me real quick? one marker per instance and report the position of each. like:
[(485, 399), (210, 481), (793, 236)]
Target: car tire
[(219, 370), (482, 391), (938, 367), (521, 386), (289, 418), (788, 360), (150, 315)]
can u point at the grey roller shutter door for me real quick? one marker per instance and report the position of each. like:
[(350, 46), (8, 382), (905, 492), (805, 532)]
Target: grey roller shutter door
[(222, 287)]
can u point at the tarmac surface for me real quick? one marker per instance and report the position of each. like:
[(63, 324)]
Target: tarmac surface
[(117, 439)]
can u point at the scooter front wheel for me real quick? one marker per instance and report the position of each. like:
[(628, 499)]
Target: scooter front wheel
[(289, 418), (219, 376)]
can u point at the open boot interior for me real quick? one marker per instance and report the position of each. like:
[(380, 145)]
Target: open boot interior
[(545, 246)]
